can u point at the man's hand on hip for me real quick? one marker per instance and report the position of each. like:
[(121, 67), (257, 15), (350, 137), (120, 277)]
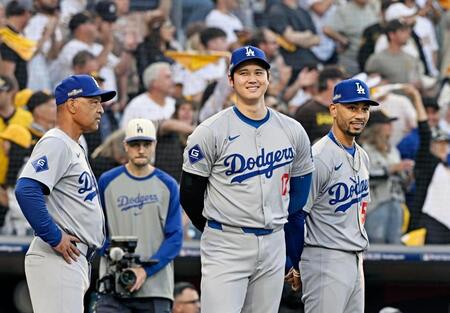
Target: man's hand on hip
[(66, 247)]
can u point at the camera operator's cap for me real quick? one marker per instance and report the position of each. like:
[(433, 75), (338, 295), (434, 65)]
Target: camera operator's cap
[(76, 86), (352, 91), (398, 10), (247, 53), (140, 129), (107, 10)]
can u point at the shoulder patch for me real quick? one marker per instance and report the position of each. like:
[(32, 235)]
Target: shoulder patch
[(40, 164), (195, 154)]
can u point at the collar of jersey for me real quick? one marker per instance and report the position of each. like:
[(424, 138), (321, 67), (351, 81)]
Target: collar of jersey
[(138, 178), (249, 121), (350, 150)]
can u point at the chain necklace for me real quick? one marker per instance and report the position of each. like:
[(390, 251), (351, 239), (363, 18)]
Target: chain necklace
[(356, 166)]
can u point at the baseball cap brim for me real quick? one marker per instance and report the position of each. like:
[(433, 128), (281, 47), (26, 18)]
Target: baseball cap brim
[(105, 95), (356, 100), (263, 63), (140, 138)]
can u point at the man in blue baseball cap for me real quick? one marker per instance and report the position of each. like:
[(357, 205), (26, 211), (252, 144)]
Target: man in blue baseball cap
[(261, 159), (69, 222), (331, 261)]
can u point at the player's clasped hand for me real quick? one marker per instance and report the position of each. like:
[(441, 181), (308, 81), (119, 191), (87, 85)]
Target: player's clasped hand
[(293, 278), (141, 275), (67, 248)]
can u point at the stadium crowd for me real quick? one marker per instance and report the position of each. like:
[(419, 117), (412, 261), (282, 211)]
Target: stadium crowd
[(169, 60)]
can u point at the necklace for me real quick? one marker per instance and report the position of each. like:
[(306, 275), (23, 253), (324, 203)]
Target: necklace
[(354, 164)]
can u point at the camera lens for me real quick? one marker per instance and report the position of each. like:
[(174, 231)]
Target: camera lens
[(127, 278)]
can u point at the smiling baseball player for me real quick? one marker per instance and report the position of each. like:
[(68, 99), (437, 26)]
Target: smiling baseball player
[(331, 263), (255, 166)]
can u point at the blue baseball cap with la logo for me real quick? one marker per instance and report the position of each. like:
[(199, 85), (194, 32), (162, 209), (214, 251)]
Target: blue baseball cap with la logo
[(352, 91), (247, 53), (81, 86)]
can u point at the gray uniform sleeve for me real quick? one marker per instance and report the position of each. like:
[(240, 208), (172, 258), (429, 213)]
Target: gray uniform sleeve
[(48, 162), (320, 179), (199, 156), (303, 162)]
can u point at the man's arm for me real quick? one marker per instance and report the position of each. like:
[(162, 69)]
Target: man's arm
[(192, 193), (294, 228), (30, 196), (173, 234)]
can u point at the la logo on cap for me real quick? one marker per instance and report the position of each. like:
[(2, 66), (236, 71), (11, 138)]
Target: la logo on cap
[(139, 129), (360, 89), (249, 52)]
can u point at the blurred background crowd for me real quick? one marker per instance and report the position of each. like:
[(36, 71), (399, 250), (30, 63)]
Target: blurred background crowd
[(168, 60)]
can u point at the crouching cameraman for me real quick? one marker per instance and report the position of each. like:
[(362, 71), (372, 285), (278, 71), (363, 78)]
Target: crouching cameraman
[(140, 201)]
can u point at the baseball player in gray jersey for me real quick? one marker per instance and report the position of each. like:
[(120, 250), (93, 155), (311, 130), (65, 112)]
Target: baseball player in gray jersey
[(245, 158), (68, 222), (331, 263)]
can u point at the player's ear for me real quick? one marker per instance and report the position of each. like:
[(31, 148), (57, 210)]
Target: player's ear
[(231, 81), (71, 105), (332, 109)]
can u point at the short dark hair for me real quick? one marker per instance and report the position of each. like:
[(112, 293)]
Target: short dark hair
[(329, 72), (395, 25), (82, 57), (15, 8), (257, 38), (430, 102), (180, 287), (38, 98), (211, 33), (79, 19)]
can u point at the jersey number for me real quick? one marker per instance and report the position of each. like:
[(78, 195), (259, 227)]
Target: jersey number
[(363, 212), (284, 184)]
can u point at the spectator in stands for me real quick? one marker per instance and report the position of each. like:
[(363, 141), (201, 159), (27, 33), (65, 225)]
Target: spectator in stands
[(387, 176), (84, 62), (394, 64), (222, 17), (414, 46), (43, 27), (196, 82), (9, 114), (370, 36), (314, 115), (15, 49), (160, 38), (109, 154), (156, 103), (42, 106), (85, 33), (15, 223), (398, 105), (171, 144), (295, 27), (302, 89), (432, 175), (409, 145), (346, 26), (320, 11), (423, 28), (280, 72), (186, 298)]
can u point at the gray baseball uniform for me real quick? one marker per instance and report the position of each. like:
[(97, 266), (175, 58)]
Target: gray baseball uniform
[(331, 263), (248, 169), (60, 163)]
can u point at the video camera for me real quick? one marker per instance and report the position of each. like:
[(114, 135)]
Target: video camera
[(120, 257)]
